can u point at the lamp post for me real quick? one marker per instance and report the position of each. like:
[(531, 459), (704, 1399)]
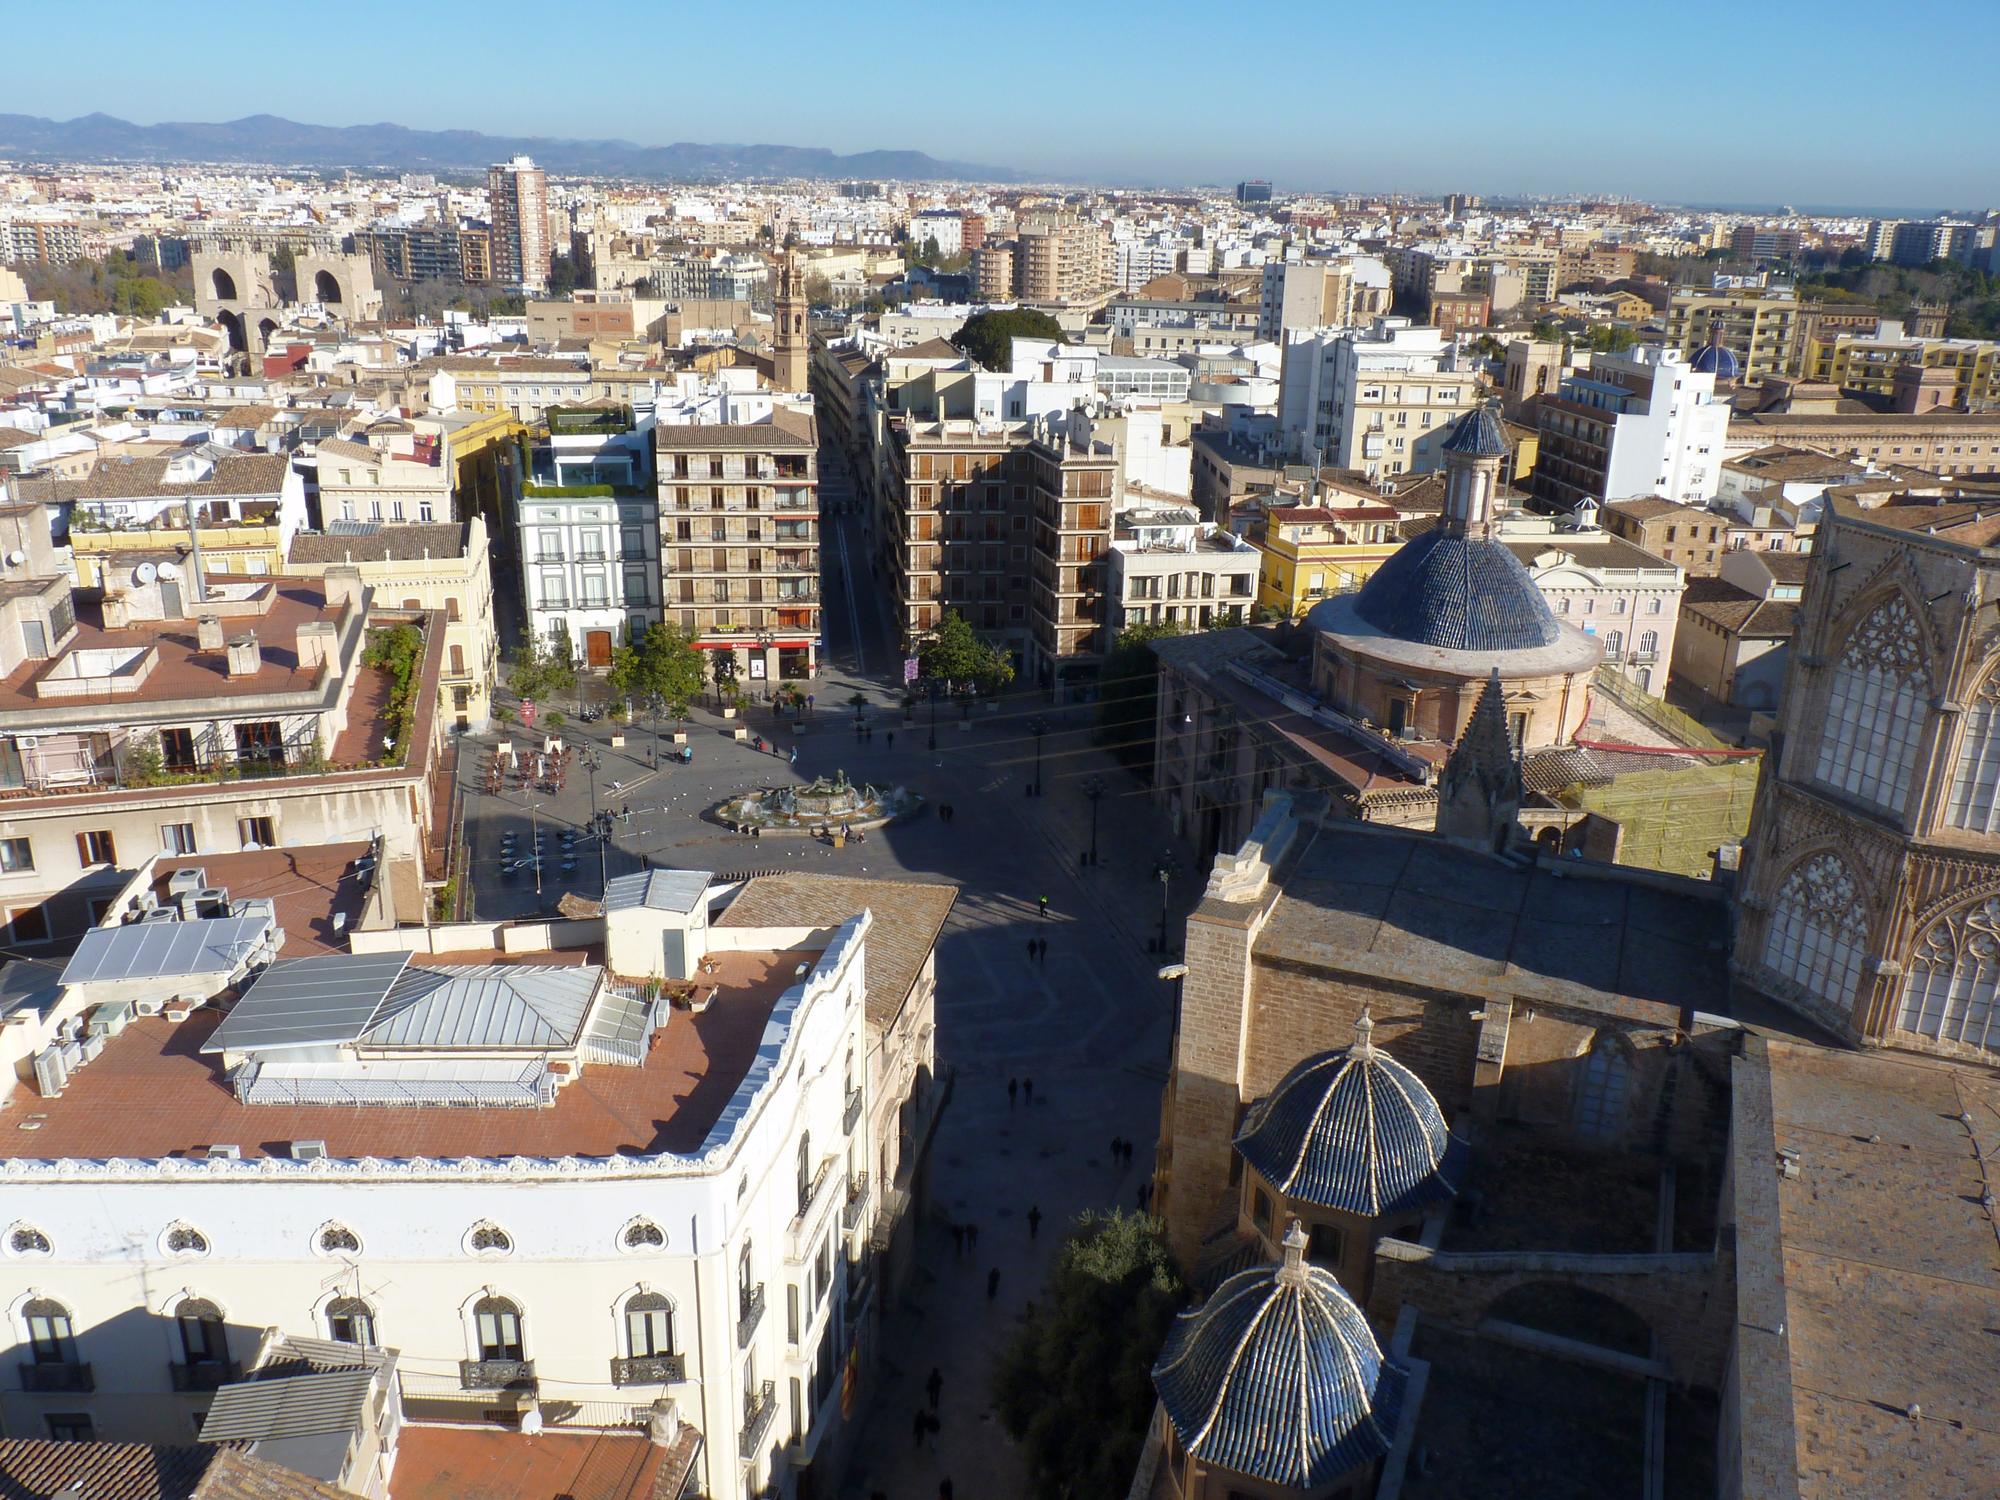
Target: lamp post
[(1037, 726), (535, 832), (1163, 871), (590, 762), (1093, 789)]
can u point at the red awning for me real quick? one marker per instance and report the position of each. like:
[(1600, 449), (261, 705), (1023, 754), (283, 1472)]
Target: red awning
[(732, 645)]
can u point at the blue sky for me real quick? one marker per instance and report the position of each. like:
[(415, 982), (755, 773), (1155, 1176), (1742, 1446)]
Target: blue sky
[(1754, 101)]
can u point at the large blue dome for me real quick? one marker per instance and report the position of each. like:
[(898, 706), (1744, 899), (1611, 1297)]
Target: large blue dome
[(1278, 1376), (1717, 360), (1354, 1130), (1460, 593)]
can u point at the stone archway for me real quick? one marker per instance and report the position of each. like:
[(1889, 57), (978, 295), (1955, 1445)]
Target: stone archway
[(232, 324), (224, 285), (326, 287)]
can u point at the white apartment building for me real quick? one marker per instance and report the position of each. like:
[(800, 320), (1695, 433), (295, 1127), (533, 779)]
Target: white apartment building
[(546, 1189), (943, 226), (1377, 399), (589, 534), (1336, 293), (1642, 423), (1625, 597), (1169, 566)]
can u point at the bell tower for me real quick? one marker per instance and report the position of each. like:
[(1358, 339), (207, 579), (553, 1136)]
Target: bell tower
[(788, 316)]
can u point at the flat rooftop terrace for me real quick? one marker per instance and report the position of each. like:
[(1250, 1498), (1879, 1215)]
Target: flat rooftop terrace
[(153, 1094)]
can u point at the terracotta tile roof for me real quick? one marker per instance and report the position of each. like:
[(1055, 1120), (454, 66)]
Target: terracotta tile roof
[(928, 349), (152, 1093), (144, 478), (235, 1475), (786, 429), (908, 916), (14, 437), (407, 542), (474, 1463), (1650, 508), (1739, 611), (38, 1468)]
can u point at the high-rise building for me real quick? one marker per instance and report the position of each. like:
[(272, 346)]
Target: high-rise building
[(1641, 423), (1256, 190), (1376, 399), (1760, 327), (517, 195)]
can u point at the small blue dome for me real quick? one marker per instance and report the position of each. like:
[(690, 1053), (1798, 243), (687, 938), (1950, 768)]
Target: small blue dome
[(1478, 433), (1716, 360), (1278, 1376), (1355, 1130)]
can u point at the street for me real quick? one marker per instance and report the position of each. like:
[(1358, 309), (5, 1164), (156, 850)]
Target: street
[(1089, 1025)]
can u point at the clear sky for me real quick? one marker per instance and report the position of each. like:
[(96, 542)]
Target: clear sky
[(1825, 102)]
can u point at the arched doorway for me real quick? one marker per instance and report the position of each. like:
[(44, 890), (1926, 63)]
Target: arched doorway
[(233, 326), (224, 284), (265, 329), (326, 287)]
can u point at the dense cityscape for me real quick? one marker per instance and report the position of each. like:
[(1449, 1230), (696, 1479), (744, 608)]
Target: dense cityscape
[(622, 770)]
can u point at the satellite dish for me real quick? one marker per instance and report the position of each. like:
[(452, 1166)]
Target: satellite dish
[(145, 573), (170, 570), (16, 558)]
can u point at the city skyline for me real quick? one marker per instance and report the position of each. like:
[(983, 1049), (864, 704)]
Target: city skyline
[(1673, 130)]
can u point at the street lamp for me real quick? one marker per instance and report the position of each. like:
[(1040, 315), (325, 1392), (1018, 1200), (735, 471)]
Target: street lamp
[(1037, 726), (590, 762), (1093, 789), (1163, 872)]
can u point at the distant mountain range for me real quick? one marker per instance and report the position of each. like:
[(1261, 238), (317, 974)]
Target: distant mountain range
[(267, 140)]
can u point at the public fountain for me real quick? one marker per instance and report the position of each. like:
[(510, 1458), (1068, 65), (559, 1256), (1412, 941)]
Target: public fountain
[(820, 806)]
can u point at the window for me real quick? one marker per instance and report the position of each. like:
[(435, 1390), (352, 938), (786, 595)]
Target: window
[(257, 833), (1600, 1091), (1819, 930), (497, 1326), (1876, 709), (1976, 769), (349, 1320), (97, 848), (1260, 1208), (51, 1340), (70, 1427), (204, 1339), (458, 661), (1948, 993), (1326, 1243), (489, 1239), (177, 749), (177, 838), (29, 924), (643, 1234), (25, 1239), (16, 855), (649, 1326), (805, 1171)]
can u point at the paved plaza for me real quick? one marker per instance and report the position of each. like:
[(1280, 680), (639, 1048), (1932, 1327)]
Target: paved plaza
[(1089, 1025)]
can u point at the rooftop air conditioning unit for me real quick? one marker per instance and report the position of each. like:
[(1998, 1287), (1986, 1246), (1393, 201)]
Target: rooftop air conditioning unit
[(308, 1150), (161, 914), (186, 882), (151, 1005), (226, 1151), (51, 1072), (93, 1045), (255, 906), (178, 1009)]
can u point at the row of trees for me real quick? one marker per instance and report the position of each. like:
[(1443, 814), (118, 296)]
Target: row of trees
[(115, 284)]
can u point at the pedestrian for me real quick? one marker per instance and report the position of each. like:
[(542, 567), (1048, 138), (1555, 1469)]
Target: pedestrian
[(1035, 1221), (1013, 1087), (1027, 1091), (1031, 950), (919, 1426), (944, 1488), (890, 735), (934, 1386), (809, 700), (971, 1237), (1044, 901), (795, 755), (958, 1239), (992, 1291), (1042, 951), (1128, 1153)]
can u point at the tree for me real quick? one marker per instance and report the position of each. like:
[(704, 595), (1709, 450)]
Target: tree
[(562, 275), (1128, 690), (539, 671), (1075, 1386), (819, 291), (1610, 338), (988, 338), (955, 653), (662, 666)]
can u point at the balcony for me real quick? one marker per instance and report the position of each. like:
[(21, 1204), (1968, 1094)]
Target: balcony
[(496, 1375), (855, 1213), (207, 1375), (851, 1116), (759, 1407), (651, 1369), (799, 1235), (750, 1312), (61, 1376)]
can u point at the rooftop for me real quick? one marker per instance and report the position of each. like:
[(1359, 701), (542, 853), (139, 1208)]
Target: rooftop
[(407, 542), (153, 1093), (475, 1463), (1739, 611), (785, 429), (144, 478)]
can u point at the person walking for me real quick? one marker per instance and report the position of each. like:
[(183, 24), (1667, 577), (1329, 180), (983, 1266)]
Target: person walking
[(1042, 951), (1035, 1221), (1027, 1091), (934, 1386), (1043, 901), (1013, 1088), (795, 755), (1031, 950), (992, 1291), (1117, 1150)]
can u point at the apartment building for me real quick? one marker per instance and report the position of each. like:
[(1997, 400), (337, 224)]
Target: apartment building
[(1640, 423), (1077, 482), (524, 386), (1377, 400), (1169, 567), (44, 242), (517, 200), (738, 500), (1884, 366), (1314, 540), (1622, 596), (1938, 442), (1058, 258), (1760, 326), (589, 533), (384, 470), (1345, 292)]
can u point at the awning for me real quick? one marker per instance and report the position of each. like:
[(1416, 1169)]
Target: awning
[(732, 645)]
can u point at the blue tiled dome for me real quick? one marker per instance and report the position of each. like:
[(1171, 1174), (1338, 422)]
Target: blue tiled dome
[(1354, 1130), (1478, 433), (1278, 1376), (1717, 360), (1461, 593)]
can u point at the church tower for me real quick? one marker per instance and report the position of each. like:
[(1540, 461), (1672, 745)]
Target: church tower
[(788, 317)]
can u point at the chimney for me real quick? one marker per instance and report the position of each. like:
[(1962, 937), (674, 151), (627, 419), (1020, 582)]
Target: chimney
[(208, 632), (344, 586), (317, 640), (243, 655)]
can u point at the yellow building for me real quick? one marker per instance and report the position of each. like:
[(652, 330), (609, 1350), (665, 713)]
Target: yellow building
[(1327, 546), (1855, 363)]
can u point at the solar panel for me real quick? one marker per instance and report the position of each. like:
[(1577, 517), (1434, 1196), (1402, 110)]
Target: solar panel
[(164, 950), (308, 1002), (353, 528)]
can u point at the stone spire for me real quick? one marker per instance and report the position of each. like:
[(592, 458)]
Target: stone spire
[(788, 327), (1293, 1271), (1479, 795)]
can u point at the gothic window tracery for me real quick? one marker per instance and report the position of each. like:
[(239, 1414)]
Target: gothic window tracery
[(1949, 990), (1819, 930), (1975, 774), (1875, 710)]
